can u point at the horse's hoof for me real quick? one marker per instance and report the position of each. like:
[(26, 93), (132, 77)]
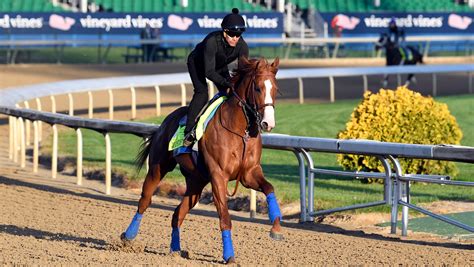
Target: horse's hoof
[(125, 240), (230, 260), (276, 236), (175, 253)]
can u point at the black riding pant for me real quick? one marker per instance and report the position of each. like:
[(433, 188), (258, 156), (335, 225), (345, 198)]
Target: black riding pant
[(201, 94)]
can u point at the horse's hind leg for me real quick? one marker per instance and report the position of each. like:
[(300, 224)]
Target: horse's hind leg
[(256, 180), (195, 183), (385, 81), (410, 79), (152, 180)]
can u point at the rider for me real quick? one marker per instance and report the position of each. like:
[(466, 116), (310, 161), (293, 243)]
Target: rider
[(396, 35), (209, 59)]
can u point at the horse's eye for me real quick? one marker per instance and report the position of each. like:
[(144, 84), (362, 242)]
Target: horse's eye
[(257, 88)]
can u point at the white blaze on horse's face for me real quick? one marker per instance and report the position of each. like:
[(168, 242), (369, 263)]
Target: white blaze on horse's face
[(268, 122)]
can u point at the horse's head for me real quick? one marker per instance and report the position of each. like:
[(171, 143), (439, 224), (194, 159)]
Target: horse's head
[(256, 87), (382, 42)]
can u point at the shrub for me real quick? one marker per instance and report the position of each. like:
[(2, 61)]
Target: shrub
[(401, 116)]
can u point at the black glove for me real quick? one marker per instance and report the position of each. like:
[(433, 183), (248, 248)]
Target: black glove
[(228, 84)]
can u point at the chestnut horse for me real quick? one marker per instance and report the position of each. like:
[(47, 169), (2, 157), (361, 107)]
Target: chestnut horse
[(230, 149)]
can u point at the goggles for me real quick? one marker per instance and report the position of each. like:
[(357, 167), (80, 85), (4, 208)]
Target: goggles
[(233, 33)]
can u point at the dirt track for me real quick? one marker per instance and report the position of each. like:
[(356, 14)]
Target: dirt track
[(44, 221)]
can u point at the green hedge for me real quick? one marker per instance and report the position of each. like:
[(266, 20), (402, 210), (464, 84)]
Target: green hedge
[(401, 116)]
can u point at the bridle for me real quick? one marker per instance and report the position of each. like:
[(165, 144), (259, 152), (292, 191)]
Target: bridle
[(250, 104)]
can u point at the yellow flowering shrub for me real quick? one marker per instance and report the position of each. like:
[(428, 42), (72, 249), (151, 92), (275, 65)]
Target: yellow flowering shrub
[(401, 116)]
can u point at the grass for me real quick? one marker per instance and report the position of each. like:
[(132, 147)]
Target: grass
[(281, 167)]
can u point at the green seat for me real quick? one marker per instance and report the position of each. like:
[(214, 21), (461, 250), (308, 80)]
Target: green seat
[(331, 6), (238, 3), (167, 9), (127, 6), (157, 6), (198, 6), (37, 6), (217, 7), (321, 6), (189, 8), (48, 7), (6, 6), (177, 8), (137, 6), (16, 6), (147, 5), (304, 4), (107, 4), (351, 6)]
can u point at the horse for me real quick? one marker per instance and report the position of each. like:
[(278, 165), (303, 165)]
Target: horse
[(230, 149), (397, 55)]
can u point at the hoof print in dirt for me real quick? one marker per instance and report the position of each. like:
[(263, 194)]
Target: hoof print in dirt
[(126, 245)]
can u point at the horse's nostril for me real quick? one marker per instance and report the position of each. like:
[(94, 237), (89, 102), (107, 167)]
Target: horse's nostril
[(264, 125)]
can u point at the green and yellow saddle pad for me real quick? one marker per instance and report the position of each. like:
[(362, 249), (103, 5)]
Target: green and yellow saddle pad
[(406, 53), (178, 137)]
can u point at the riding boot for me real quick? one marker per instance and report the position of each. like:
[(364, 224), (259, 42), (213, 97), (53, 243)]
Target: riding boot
[(196, 105), (190, 130), (190, 138)]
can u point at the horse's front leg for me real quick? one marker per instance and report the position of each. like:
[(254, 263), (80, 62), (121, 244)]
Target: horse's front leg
[(219, 193), (255, 179)]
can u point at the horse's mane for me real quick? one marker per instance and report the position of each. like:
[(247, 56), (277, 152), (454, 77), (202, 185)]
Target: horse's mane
[(247, 66)]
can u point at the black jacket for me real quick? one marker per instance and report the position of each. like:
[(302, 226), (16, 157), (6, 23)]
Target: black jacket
[(396, 36), (212, 55)]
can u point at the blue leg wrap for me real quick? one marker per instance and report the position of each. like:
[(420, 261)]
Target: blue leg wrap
[(273, 208), (227, 245), (175, 243), (132, 229)]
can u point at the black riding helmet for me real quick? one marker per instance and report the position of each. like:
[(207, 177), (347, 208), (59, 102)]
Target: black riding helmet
[(233, 22)]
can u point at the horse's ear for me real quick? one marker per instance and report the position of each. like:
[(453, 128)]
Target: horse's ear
[(275, 64)]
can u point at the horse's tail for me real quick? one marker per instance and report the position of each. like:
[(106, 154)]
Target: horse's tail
[(155, 145), (144, 151), (420, 58)]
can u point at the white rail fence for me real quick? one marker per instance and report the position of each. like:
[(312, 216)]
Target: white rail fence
[(396, 190)]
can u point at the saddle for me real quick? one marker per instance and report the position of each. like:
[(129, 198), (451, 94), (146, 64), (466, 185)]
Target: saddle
[(406, 52), (207, 113)]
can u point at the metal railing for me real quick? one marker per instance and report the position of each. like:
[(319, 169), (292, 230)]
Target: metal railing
[(396, 185)]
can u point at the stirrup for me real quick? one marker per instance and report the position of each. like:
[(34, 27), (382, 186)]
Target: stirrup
[(189, 138)]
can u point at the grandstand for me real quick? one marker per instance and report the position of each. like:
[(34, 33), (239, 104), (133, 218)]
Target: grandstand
[(302, 19), (144, 6), (29, 6), (175, 6), (385, 6)]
